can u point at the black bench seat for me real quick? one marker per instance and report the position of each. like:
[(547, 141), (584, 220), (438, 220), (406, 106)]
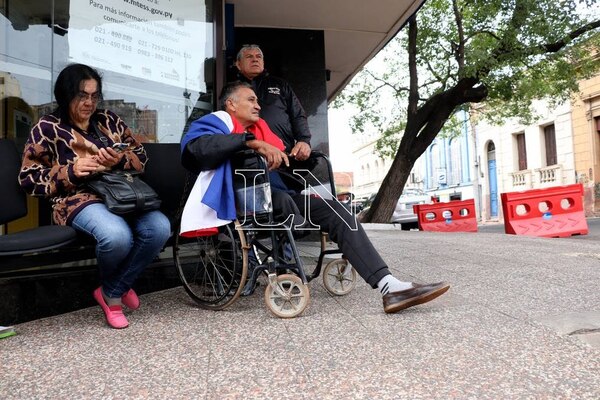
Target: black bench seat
[(48, 249)]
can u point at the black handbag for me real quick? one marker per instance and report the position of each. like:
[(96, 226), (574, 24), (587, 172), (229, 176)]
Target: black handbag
[(124, 192)]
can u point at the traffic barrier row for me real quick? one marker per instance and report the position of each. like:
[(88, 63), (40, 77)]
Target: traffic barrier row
[(550, 212), (453, 216)]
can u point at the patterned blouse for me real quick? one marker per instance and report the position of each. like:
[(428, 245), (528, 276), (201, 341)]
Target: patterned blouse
[(53, 147)]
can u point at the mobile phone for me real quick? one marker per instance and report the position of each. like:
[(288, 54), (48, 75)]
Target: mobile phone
[(119, 147)]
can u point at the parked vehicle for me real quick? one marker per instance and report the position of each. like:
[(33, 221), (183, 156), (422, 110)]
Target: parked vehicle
[(403, 213)]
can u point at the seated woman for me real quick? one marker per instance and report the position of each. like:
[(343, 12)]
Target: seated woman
[(65, 149)]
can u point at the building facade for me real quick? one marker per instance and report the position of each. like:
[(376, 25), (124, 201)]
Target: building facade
[(369, 169), (516, 157), (447, 166), (443, 171), (586, 141)]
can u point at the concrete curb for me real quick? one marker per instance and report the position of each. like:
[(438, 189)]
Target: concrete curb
[(381, 227)]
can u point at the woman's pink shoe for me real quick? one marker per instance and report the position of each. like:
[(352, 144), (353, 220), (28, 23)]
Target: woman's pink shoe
[(131, 300), (114, 314)]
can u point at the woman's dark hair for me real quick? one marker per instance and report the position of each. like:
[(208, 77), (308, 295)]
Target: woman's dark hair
[(68, 83)]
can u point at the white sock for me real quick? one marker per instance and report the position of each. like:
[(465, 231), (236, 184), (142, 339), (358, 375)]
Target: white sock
[(389, 284)]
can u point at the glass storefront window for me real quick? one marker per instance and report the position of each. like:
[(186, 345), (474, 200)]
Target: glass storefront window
[(156, 58)]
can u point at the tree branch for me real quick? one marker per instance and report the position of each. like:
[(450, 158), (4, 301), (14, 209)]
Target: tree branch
[(484, 32), (432, 71), (459, 53), (517, 20), (413, 94), (519, 15), (386, 83), (476, 94), (433, 82), (556, 46)]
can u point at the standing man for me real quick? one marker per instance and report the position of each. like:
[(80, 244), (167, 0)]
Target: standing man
[(279, 105)]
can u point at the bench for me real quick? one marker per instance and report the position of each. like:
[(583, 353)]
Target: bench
[(53, 249)]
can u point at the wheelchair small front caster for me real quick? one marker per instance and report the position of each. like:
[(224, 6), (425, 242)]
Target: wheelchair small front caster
[(339, 277), (286, 295)]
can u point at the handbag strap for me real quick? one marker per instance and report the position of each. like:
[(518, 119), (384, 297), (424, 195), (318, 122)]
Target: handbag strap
[(140, 200), (99, 136)]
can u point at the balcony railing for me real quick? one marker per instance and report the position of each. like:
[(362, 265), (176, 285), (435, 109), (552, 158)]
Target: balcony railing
[(537, 178), (549, 176), (521, 180)]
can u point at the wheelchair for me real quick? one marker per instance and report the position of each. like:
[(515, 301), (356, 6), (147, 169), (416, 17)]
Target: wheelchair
[(217, 269)]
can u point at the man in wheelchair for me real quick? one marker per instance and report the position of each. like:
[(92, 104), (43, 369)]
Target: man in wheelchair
[(213, 140)]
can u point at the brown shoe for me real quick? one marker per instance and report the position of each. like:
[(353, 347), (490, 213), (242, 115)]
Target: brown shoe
[(418, 294)]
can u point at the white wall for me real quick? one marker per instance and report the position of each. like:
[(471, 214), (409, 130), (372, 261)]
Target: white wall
[(503, 138)]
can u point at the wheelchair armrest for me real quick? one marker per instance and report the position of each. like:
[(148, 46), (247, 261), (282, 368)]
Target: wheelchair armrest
[(317, 153), (252, 160), (249, 154), (246, 156), (245, 153)]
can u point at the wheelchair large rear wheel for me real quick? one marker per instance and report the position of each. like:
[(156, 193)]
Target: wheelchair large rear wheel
[(213, 269), (290, 297)]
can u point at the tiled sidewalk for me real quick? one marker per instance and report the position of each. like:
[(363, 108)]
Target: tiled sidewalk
[(520, 321)]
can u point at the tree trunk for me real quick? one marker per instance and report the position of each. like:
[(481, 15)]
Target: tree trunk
[(425, 121), (391, 188), (421, 129)]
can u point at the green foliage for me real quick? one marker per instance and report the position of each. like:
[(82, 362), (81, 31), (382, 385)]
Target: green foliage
[(505, 45), (387, 144), (454, 126)]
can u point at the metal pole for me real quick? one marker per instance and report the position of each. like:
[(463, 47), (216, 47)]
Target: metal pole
[(473, 144), (51, 48)]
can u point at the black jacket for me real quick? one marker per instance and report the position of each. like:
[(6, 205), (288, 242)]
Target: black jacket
[(209, 151), (281, 109)]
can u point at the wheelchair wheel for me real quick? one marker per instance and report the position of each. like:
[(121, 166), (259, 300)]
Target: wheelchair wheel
[(289, 299), (339, 277), (213, 269)]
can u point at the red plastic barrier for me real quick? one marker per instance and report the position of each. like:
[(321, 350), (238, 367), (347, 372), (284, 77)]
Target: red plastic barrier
[(551, 212), (453, 216)]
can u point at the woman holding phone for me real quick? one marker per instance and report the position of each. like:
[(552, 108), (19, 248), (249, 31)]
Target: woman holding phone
[(65, 149)]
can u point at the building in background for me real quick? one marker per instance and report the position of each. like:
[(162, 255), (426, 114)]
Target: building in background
[(447, 165), (585, 108), (443, 171), (516, 157), (369, 169), (344, 182), (561, 147)]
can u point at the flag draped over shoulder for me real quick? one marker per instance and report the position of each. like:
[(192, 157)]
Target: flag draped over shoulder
[(211, 202)]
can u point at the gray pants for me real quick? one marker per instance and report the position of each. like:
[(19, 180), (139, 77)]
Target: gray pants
[(342, 227)]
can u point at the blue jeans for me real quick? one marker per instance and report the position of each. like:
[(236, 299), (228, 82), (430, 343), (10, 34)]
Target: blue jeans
[(125, 246)]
